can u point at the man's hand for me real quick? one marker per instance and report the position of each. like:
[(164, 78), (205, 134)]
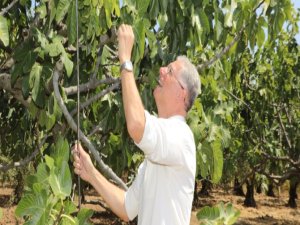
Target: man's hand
[(112, 195), (126, 41), (83, 165)]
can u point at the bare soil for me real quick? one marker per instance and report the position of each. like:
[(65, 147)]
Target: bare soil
[(270, 211)]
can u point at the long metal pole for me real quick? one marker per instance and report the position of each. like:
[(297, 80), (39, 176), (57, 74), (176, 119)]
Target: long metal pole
[(78, 97)]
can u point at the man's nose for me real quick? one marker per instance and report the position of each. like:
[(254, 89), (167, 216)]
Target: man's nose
[(163, 72)]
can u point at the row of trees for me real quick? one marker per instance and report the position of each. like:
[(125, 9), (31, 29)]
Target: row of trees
[(246, 121)]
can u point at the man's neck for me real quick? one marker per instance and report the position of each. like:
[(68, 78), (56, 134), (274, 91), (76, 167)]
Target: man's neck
[(167, 115)]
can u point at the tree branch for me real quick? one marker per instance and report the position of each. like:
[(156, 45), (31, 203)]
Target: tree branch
[(5, 10), (222, 52), (105, 39), (282, 158), (5, 84), (96, 97), (7, 64), (103, 167), (287, 114), (279, 180), (90, 85), (98, 62), (4, 168), (228, 47), (232, 95), (283, 129)]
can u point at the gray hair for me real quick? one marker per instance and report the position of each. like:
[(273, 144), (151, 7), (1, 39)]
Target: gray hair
[(190, 77)]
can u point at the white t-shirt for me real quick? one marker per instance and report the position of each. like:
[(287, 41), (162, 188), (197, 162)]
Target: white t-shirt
[(162, 192)]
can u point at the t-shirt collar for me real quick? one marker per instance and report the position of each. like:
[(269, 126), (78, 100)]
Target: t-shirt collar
[(178, 117)]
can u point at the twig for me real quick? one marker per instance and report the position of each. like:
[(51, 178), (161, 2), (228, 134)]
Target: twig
[(283, 129), (99, 56), (232, 95), (5, 84), (222, 52), (97, 63), (5, 10), (25, 161), (95, 130), (114, 53), (287, 114), (228, 47), (106, 170), (96, 97)]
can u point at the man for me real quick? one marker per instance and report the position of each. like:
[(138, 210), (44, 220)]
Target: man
[(162, 192)]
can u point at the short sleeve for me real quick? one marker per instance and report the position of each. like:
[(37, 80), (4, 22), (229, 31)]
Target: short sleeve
[(132, 196), (131, 204), (149, 140), (164, 140)]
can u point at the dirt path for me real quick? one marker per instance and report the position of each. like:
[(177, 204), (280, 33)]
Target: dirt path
[(270, 211)]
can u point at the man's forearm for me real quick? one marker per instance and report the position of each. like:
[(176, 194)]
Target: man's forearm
[(133, 106), (112, 195)]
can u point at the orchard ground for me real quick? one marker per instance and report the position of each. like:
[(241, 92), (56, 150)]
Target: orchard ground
[(270, 211)]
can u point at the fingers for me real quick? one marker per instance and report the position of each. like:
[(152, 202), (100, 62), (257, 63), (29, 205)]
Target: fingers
[(77, 148), (77, 171), (124, 28), (77, 165), (76, 151), (126, 41)]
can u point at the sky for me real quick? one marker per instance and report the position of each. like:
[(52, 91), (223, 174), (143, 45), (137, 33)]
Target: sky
[(297, 5)]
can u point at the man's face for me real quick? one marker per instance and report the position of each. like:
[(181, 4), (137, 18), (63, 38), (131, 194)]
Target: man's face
[(170, 85)]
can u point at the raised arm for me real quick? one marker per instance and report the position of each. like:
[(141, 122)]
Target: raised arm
[(133, 106)]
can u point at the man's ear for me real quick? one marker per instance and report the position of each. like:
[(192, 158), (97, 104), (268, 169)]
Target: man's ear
[(185, 96)]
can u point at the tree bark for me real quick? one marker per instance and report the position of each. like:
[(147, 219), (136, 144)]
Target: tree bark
[(270, 191), (195, 200), (106, 170), (195, 191), (17, 195), (258, 188), (16, 91), (237, 188), (249, 200), (206, 187), (293, 194)]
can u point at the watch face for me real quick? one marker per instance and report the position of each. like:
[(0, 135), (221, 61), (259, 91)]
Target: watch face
[(127, 65)]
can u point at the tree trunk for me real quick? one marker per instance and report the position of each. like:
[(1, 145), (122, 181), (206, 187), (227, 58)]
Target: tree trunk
[(270, 191), (195, 201), (16, 197), (237, 188), (293, 194), (196, 191), (206, 186), (249, 200), (258, 188)]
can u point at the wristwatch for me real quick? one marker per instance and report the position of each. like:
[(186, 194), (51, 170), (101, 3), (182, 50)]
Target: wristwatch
[(127, 65)]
